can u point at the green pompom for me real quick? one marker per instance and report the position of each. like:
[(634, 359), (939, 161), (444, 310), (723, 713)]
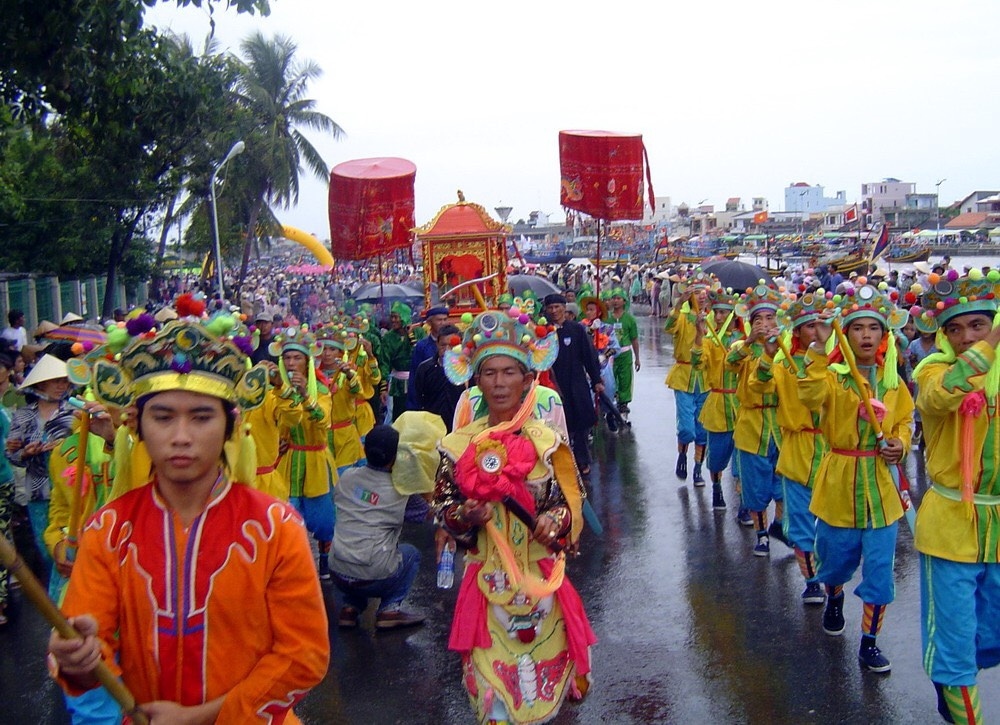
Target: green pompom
[(993, 276), (963, 300), (975, 274), (118, 338), (467, 318)]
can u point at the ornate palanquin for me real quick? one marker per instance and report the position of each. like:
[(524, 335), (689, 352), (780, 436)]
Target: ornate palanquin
[(463, 243)]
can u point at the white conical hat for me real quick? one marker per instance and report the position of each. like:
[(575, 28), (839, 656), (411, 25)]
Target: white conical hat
[(48, 368), (922, 267), (70, 317)]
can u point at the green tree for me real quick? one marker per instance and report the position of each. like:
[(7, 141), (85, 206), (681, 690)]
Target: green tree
[(271, 89)]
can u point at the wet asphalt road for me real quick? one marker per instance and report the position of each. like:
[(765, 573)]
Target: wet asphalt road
[(692, 627)]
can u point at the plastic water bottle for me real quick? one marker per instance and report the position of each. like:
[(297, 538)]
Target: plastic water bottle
[(446, 567)]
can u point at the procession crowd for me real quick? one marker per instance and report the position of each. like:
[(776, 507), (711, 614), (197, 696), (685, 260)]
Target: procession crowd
[(181, 462)]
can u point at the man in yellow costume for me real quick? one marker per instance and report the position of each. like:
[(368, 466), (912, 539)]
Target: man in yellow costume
[(855, 499), (958, 524), (171, 574), (308, 467), (690, 390), (802, 442), (718, 415), (756, 435), (341, 378), (509, 492)]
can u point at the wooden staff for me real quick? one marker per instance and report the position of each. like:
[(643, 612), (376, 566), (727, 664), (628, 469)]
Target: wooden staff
[(793, 366), (76, 501), (894, 469), (36, 593)]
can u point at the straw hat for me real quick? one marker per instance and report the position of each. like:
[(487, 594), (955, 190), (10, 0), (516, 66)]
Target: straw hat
[(44, 328), (165, 314), (48, 368), (69, 318), (922, 267)]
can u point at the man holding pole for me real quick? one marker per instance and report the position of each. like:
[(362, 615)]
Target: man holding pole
[(867, 419), (959, 518), (170, 576)]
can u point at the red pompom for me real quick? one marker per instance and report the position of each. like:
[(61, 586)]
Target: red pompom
[(541, 331), (910, 298), (454, 340), (188, 306), (894, 295)]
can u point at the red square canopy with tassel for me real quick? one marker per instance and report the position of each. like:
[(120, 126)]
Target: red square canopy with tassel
[(602, 174), (371, 207)]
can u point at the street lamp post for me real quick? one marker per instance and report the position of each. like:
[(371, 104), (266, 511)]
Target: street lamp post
[(236, 150), (937, 199)]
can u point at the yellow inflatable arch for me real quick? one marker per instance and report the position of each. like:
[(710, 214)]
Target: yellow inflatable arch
[(310, 242)]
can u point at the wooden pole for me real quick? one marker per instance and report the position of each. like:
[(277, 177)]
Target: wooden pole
[(34, 591)]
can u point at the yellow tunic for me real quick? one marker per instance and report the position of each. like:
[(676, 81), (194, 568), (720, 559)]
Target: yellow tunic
[(854, 488), (756, 420), (344, 439), (718, 415), (370, 378), (802, 443), (96, 495), (947, 527), (682, 376), (308, 468), (274, 415)]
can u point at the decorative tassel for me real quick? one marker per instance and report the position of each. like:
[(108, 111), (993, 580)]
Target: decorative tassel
[(122, 462), (993, 376), (241, 456), (890, 373), (312, 387), (971, 407)]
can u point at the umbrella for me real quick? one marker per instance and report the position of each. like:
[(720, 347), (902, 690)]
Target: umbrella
[(737, 275), (78, 333), (374, 292), (518, 283)]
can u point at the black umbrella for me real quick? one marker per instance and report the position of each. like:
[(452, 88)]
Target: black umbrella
[(518, 283), (737, 275)]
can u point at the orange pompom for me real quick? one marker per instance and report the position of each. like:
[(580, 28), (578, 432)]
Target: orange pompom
[(77, 348), (933, 278)]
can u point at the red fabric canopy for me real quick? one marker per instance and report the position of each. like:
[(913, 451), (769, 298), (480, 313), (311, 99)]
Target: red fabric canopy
[(371, 207), (602, 174)]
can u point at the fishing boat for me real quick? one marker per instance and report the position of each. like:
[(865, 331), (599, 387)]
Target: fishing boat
[(855, 261), (908, 255)]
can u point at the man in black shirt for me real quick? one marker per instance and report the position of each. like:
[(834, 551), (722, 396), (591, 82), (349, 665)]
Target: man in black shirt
[(434, 392)]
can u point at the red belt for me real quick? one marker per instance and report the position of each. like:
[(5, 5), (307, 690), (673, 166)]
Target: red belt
[(342, 424), (320, 447), (682, 362), (853, 453), (761, 407), (814, 431), (723, 390), (261, 470)]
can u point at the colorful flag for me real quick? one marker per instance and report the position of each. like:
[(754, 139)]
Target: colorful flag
[(851, 214), (760, 217), (882, 243)]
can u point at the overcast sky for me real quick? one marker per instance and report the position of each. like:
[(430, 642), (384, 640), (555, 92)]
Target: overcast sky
[(732, 98)]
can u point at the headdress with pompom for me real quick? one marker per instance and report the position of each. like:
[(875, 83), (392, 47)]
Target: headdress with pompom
[(511, 333)]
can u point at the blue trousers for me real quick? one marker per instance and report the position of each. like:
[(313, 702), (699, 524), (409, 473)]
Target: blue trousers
[(799, 524), (720, 452), (38, 512), (761, 483), (840, 550), (960, 619), (392, 590), (689, 428), (318, 513)]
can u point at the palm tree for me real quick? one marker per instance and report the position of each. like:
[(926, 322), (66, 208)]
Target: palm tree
[(271, 89)]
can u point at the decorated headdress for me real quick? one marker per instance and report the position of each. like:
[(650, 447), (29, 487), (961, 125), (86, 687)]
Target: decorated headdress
[(602, 307), (297, 339), (506, 299), (724, 299), (510, 333), (806, 308), (700, 279), (403, 310), (950, 295), (759, 298), (333, 334), (868, 301)]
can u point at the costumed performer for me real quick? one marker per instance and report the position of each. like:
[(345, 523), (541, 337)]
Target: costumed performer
[(757, 436), (308, 467), (718, 414), (240, 557), (509, 492), (690, 391), (958, 523), (855, 499), (802, 443), (397, 354)]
